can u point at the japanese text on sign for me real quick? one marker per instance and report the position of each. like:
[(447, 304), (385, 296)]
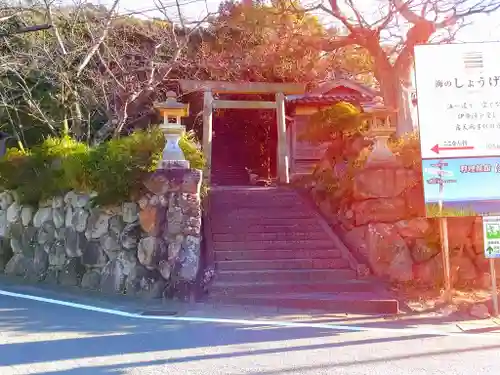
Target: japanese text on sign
[(459, 143), (462, 96), (459, 83)]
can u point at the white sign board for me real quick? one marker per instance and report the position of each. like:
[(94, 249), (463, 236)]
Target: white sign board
[(438, 172), (491, 232), (458, 94)]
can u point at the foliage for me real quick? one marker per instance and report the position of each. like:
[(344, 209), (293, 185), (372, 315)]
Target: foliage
[(341, 127), (432, 237), (114, 170), (277, 41), (264, 43), (407, 150), (341, 119)]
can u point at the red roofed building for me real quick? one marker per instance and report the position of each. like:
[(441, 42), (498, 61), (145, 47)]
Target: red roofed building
[(304, 155)]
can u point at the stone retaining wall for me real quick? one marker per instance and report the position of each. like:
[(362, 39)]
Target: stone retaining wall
[(383, 223), (149, 247)]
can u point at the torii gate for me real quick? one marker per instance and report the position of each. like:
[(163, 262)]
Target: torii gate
[(255, 88)]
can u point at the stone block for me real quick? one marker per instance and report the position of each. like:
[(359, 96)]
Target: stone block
[(414, 228), (153, 219), (383, 210), (388, 253), (164, 181), (382, 183)]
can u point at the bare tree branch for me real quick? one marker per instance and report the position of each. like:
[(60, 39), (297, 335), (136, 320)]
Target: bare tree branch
[(56, 29), (97, 44)]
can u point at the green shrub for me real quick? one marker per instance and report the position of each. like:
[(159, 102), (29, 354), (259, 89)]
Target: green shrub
[(114, 170)]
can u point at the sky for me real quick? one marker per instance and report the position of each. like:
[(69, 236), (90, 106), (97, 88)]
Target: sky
[(469, 186)]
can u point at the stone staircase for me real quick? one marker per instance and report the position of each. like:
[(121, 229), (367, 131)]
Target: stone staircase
[(270, 248), (228, 163), (229, 175)]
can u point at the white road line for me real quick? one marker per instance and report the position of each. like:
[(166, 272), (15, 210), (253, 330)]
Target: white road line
[(276, 323)]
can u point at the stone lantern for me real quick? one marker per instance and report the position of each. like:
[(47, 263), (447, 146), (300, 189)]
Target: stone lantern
[(172, 112), (380, 129)]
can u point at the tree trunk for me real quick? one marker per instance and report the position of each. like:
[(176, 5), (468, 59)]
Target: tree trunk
[(395, 90), (405, 121)]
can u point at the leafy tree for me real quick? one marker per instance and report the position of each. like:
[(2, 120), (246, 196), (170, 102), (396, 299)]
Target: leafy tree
[(279, 42), (341, 128), (269, 42), (264, 43)]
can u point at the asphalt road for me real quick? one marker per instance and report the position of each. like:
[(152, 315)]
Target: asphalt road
[(42, 338)]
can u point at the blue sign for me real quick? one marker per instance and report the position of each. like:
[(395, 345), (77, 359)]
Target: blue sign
[(462, 186)]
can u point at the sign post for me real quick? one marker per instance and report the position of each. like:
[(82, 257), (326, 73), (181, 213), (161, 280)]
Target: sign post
[(491, 235), (443, 226), (437, 169), (494, 290), (459, 124)]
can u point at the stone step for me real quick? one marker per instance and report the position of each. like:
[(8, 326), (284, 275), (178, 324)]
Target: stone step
[(255, 194), (230, 175), (229, 168), (273, 245), (257, 204), (258, 192), (247, 208), (221, 222), (282, 264), (263, 214), (268, 189), (219, 228), (341, 286), (355, 303), (276, 254), (222, 165), (287, 275), (229, 182), (232, 198), (231, 172), (273, 236)]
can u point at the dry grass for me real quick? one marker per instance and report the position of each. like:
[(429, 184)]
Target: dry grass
[(421, 299)]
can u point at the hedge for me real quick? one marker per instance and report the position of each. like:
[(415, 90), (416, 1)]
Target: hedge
[(114, 169)]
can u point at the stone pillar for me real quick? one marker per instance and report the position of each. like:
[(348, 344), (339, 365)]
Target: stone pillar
[(208, 132), (283, 168), (170, 211), (171, 217), (172, 155)]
